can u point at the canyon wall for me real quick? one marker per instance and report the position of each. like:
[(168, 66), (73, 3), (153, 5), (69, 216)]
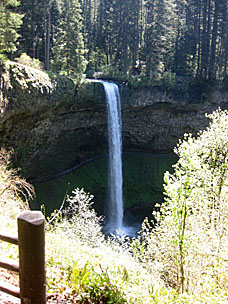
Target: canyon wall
[(52, 125)]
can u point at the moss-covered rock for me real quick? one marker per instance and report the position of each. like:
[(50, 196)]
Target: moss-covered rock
[(46, 121), (28, 89), (91, 92)]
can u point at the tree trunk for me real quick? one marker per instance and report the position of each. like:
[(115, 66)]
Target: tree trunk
[(212, 69), (47, 36), (199, 36)]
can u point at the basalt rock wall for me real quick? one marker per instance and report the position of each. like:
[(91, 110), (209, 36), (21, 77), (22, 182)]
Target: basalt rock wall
[(45, 122), (52, 125), (153, 121)]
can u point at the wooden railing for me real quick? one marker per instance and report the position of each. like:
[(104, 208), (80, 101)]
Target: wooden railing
[(31, 266)]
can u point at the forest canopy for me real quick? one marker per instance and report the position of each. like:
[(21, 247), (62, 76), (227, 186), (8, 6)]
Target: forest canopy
[(144, 39)]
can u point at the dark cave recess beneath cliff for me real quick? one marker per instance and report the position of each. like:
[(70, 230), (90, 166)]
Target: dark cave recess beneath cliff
[(142, 184)]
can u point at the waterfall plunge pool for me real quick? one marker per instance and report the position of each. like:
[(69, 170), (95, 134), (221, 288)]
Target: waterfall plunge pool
[(142, 185)]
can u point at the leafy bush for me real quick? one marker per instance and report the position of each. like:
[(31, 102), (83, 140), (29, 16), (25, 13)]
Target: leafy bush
[(3, 58), (93, 285), (82, 219), (85, 266), (27, 60), (12, 186), (168, 80), (109, 72), (14, 192), (190, 238)]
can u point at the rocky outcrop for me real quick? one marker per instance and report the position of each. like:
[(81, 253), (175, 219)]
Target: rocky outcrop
[(45, 122), (154, 121), (52, 125), (157, 128)]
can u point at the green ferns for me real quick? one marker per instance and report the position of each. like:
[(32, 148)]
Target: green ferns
[(93, 285)]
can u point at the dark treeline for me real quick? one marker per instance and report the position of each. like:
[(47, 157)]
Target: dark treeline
[(145, 39)]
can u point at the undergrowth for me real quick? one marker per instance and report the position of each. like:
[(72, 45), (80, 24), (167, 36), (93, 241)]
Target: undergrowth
[(14, 192), (97, 269), (189, 236)]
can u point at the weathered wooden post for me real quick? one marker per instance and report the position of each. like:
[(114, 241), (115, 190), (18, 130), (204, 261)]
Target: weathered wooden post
[(31, 239)]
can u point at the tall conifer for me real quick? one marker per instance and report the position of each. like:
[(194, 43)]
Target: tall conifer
[(10, 22), (69, 51)]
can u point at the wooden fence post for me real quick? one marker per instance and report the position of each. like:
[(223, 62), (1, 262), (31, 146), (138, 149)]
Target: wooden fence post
[(32, 273)]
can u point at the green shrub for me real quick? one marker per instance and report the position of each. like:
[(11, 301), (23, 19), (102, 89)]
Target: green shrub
[(82, 218), (190, 238), (27, 60), (3, 58), (93, 285), (168, 80), (14, 192)]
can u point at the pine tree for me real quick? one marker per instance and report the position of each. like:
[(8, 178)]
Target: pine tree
[(127, 33), (10, 22), (32, 28), (185, 39), (68, 51), (158, 35), (124, 37), (224, 37)]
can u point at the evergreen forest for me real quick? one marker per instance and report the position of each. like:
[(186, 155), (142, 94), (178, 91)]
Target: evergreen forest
[(145, 40)]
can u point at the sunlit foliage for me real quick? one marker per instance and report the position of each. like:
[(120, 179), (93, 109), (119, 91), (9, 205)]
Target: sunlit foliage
[(190, 238)]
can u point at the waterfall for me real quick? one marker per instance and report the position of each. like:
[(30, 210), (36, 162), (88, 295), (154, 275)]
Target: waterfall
[(114, 212)]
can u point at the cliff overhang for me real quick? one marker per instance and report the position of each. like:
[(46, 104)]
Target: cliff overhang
[(52, 125)]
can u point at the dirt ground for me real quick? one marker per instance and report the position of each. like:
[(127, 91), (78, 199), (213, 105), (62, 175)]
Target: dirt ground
[(11, 278)]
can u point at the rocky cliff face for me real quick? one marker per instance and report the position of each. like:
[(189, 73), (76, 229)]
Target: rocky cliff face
[(154, 121), (52, 125), (45, 122)]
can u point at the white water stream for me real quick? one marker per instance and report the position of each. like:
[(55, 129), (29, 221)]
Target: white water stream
[(114, 214)]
